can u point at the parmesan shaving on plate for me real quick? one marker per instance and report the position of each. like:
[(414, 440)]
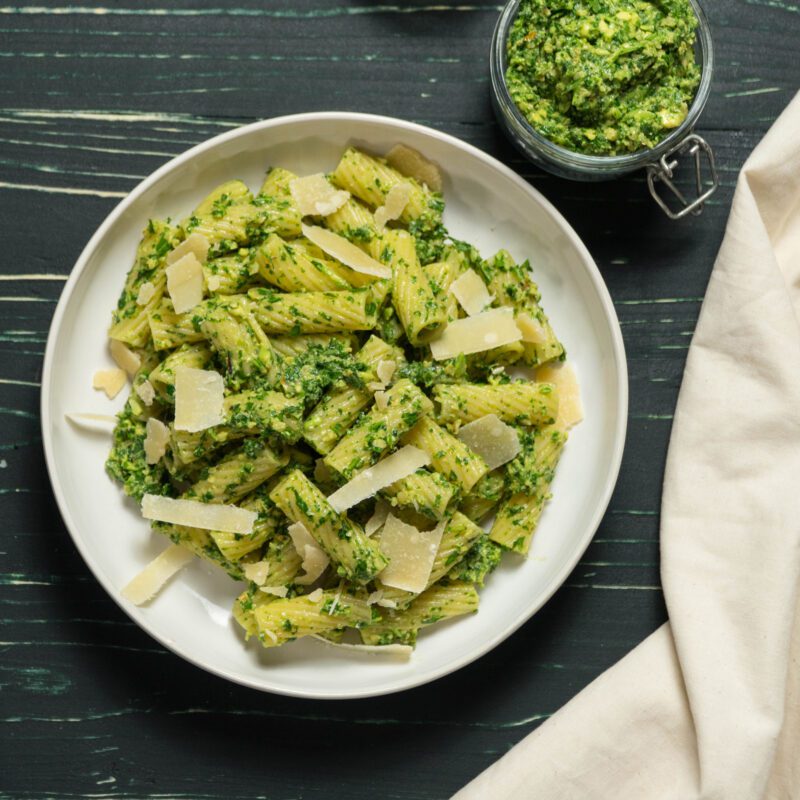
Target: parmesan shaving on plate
[(97, 423), (411, 553), (155, 575), (484, 331), (404, 650), (315, 560), (199, 401), (256, 572), (155, 440), (378, 518), (563, 377), (193, 514), (195, 243), (494, 441), (471, 292), (314, 196), (123, 357), (385, 369), (412, 163), (110, 381), (146, 392), (370, 481), (278, 591), (532, 330), (146, 292), (393, 205), (185, 283), (344, 251)]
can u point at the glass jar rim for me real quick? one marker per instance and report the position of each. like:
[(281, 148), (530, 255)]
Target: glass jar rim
[(581, 162)]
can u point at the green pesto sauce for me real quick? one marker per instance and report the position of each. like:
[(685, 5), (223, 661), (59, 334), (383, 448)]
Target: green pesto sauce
[(603, 77)]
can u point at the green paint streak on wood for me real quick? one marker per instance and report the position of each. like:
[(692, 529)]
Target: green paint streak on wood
[(34, 680), (749, 92), (18, 412)]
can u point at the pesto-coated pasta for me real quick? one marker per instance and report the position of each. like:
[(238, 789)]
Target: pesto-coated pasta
[(295, 371)]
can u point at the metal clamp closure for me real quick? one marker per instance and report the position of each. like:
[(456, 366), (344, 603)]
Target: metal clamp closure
[(663, 171)]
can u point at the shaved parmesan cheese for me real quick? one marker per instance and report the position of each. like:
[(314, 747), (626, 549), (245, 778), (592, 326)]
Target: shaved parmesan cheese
[(146, 392), (146, 292), (376, 386), (256, 572), (374, 597), (195, 243), (531, 329), (381, 401), (346, 252), (494, 441), (410, 552), (403, 650), (570, 408), (315, 560), (378, 518), (97, 423), (386, 603), (198, 399), (385, 369), (193, 514), (314, 196), (475, 334), (471, 292), (415, 165), (213, 283), (393, 205), (155, 575), (124, 358), (316, 595), (278, 591), (110, 381), (368, 482), (155, 440), (185, 283)]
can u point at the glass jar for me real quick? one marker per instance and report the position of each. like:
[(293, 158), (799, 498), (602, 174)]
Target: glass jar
[(659, 161)]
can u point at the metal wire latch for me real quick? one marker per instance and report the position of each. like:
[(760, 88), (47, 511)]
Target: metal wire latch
[(663, 170)]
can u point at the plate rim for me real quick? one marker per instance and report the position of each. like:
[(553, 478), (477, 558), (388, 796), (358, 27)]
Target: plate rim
[(615, 457)]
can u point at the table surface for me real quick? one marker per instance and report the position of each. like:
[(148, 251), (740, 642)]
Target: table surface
[(94, 99)]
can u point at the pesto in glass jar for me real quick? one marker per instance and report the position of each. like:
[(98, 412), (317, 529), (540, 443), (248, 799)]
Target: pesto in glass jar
[(603, 77)]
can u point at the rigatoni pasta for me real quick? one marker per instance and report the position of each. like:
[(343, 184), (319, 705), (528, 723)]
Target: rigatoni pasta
[(329, 368)]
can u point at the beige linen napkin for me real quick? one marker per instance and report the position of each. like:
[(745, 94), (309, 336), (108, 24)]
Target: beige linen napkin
[(709, 705)]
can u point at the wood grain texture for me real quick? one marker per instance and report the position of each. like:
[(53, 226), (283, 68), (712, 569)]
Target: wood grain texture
[(93, 99)]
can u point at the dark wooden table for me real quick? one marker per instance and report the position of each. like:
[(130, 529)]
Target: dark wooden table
[(94, 99)]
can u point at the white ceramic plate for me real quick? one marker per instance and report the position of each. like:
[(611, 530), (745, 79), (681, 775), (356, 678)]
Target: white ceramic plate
[(486, 204)]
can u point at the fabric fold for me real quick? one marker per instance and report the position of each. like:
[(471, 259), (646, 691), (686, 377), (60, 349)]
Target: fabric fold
[(706, 707)]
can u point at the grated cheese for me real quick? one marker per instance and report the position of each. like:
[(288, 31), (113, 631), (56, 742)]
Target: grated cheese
[(411, 553), (278, 591), (374, 597), (386, 603), (368, 482), (155, 440), (110, 381), (315, 560), (484, 331), (471, 292), (494, 441), (146, 392), (378, 518), (124, 358), (185, 283), (195, 243), (394, 204), (155, 575), (376, 386), (316, 595), (531, 329), (570, 408), (314, 196), (97, 423), (386, 369), (146, 292), (198, 399), (257, 572), (346, 252), (193, 514), (412, 163), (381, 401), (213, 283)]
